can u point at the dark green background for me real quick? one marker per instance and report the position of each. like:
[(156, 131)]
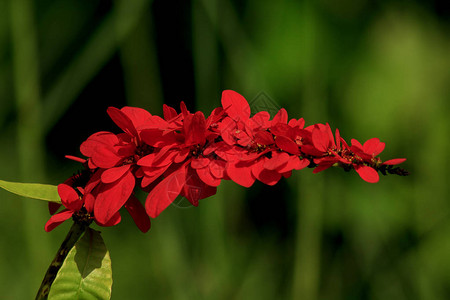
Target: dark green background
[(370, 68)]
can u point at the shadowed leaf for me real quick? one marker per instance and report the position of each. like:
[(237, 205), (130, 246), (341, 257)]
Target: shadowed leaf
[(86, 273)]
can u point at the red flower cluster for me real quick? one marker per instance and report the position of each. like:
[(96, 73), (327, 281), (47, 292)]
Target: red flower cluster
[(188, 154)]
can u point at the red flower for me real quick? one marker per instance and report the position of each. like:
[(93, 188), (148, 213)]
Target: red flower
[(71, 200), (183, 156), (257, 147), (79, 203), (117, 156), (366, 162)]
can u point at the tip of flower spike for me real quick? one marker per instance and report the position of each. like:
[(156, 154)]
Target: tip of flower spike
[(390, 169)]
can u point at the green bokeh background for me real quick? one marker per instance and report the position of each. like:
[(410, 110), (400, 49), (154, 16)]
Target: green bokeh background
[(371, 69)]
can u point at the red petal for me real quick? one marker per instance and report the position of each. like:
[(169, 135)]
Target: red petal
[(57, 219), (287, 145), (229, 153), (104, 138), (151, 174), (112, 197), (195, 189), (394, 161), (169, 112), (158, 138), (367, 173), (259, 120), (268, 177), (280, 117), (278, 159), (205, 175), (331, 143), (344, 143), (357, 144), (311, 150), (281, 129), (294, 163), (264, 138), (137, 212), (114, 220), (297, 123), (241, 173), (184, 109), (287, 174), (235, 105), (194, 129), (373, 147), (89, 202), (300, 163), (217, 168), (67, 193), (320, 140), (216, 115), (338, 139), (164, 157), (147, 161), (157, 122), (100, 148), (69, 197), (106, 157), (137, 115), (182, 154), (226, 127), (158, 159), (122, 120), (113, 174), (165, 192), (200, 162)]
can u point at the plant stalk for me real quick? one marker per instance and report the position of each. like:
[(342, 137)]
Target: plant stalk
[(72, 237)]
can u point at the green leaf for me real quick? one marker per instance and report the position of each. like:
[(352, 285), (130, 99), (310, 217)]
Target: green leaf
[(39, 191), (86, 273)]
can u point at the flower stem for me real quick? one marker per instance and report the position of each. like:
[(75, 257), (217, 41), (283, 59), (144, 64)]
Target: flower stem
[(72, 237)]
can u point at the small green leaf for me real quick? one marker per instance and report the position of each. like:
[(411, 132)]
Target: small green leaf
[(86, 273), (39, 191)]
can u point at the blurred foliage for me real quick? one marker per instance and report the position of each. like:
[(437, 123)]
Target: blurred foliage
[(370, 68)]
